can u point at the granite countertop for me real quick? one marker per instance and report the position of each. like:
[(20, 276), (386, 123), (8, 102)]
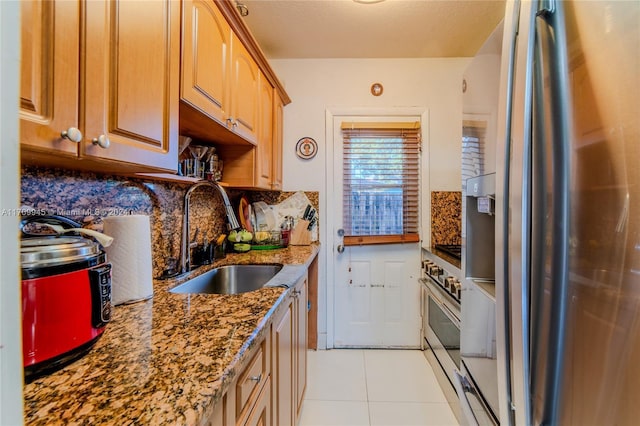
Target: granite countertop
[(166, 360)]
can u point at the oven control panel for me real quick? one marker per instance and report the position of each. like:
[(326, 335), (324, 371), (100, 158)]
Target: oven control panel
[(444, 279)]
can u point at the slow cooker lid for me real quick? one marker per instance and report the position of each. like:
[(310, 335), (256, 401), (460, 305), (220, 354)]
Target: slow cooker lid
[(49, 251)]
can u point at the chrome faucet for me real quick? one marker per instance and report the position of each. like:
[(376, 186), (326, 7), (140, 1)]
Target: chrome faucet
[(185, 250)]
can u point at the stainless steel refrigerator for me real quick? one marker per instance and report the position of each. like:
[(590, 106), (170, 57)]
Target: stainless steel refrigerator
[(568, 214)]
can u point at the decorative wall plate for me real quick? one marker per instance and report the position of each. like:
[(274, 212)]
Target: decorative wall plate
[(306, 148), (376, 89)]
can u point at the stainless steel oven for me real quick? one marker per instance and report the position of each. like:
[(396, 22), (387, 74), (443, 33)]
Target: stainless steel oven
[(441, 325), (441, 334)]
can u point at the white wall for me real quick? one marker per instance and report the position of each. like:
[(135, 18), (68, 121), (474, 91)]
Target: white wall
[(10, 349), (315, 85), (480, 101)]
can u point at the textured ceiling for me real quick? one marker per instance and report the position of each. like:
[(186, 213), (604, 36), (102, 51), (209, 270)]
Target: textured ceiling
[(389, 29)]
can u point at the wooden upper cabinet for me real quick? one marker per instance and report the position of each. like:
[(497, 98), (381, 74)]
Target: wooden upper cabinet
[(124, 89), (205, 59), (131, 81), (219, 82), (278, 115), (264, 154), (245, 76), (49, 75), (227, 94)]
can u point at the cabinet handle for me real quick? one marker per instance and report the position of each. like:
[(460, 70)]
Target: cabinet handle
[(72, 134), (102, 141), (231, 122), (256, 378)]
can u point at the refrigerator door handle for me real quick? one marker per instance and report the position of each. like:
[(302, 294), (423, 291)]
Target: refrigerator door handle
[(552, 69), (462, 388), (547, 7)]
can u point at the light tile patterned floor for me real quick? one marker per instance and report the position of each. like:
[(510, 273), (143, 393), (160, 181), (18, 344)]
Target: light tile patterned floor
[(353, 387)]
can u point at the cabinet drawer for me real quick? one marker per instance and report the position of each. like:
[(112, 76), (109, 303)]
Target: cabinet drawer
[(250, 382)]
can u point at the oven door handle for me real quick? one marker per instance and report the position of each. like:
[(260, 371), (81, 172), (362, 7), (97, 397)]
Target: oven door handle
[(462, 387)]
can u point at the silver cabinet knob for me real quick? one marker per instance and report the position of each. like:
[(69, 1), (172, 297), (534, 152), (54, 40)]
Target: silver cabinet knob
[(102, 141), (73, 134), (340, 248), (231, 122)]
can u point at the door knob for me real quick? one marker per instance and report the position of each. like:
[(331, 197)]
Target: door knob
[(340, 248)]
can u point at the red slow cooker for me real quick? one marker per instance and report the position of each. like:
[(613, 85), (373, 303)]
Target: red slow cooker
[(66, 300)]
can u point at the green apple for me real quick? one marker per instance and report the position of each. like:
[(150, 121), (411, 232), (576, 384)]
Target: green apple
[(245, 236), (234, 237)]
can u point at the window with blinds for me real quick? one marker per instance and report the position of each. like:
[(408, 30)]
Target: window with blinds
[(381, 177)]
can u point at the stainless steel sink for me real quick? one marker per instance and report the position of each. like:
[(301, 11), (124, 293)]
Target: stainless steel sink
[(231, 279)]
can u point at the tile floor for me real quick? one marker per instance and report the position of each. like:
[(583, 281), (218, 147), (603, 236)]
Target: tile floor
[(353, 387)]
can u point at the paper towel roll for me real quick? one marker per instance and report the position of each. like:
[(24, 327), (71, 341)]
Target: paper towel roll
[(130, 255)]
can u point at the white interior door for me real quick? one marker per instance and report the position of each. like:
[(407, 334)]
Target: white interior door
[(376, 292)]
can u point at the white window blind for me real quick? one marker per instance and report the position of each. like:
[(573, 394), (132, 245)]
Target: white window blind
[(381, 173)]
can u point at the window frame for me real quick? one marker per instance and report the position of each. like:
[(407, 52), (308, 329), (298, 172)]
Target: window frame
[(410, 133)]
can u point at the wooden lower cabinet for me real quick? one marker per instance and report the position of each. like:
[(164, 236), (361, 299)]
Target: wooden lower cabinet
[(248, 399), (270, 387), (290, 357), (261, 413), (283, 362), (300, 362)]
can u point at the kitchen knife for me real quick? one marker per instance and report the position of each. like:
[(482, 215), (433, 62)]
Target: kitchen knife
[(306, 212), (312, 223)]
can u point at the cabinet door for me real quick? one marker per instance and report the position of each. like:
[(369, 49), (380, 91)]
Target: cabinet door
[(261, 414), (265, 131), (49, 74), (301, 342), (278, 115), (131, 81), (283, 359), (244, 92), (205, 59)]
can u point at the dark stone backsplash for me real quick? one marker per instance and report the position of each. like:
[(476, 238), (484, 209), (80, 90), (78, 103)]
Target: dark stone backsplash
[(446, 217), (89, 197)]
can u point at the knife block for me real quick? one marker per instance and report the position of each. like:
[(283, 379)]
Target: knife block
[(300, 236)]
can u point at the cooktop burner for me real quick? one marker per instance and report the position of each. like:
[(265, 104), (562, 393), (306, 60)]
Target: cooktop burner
[(454, 250)]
